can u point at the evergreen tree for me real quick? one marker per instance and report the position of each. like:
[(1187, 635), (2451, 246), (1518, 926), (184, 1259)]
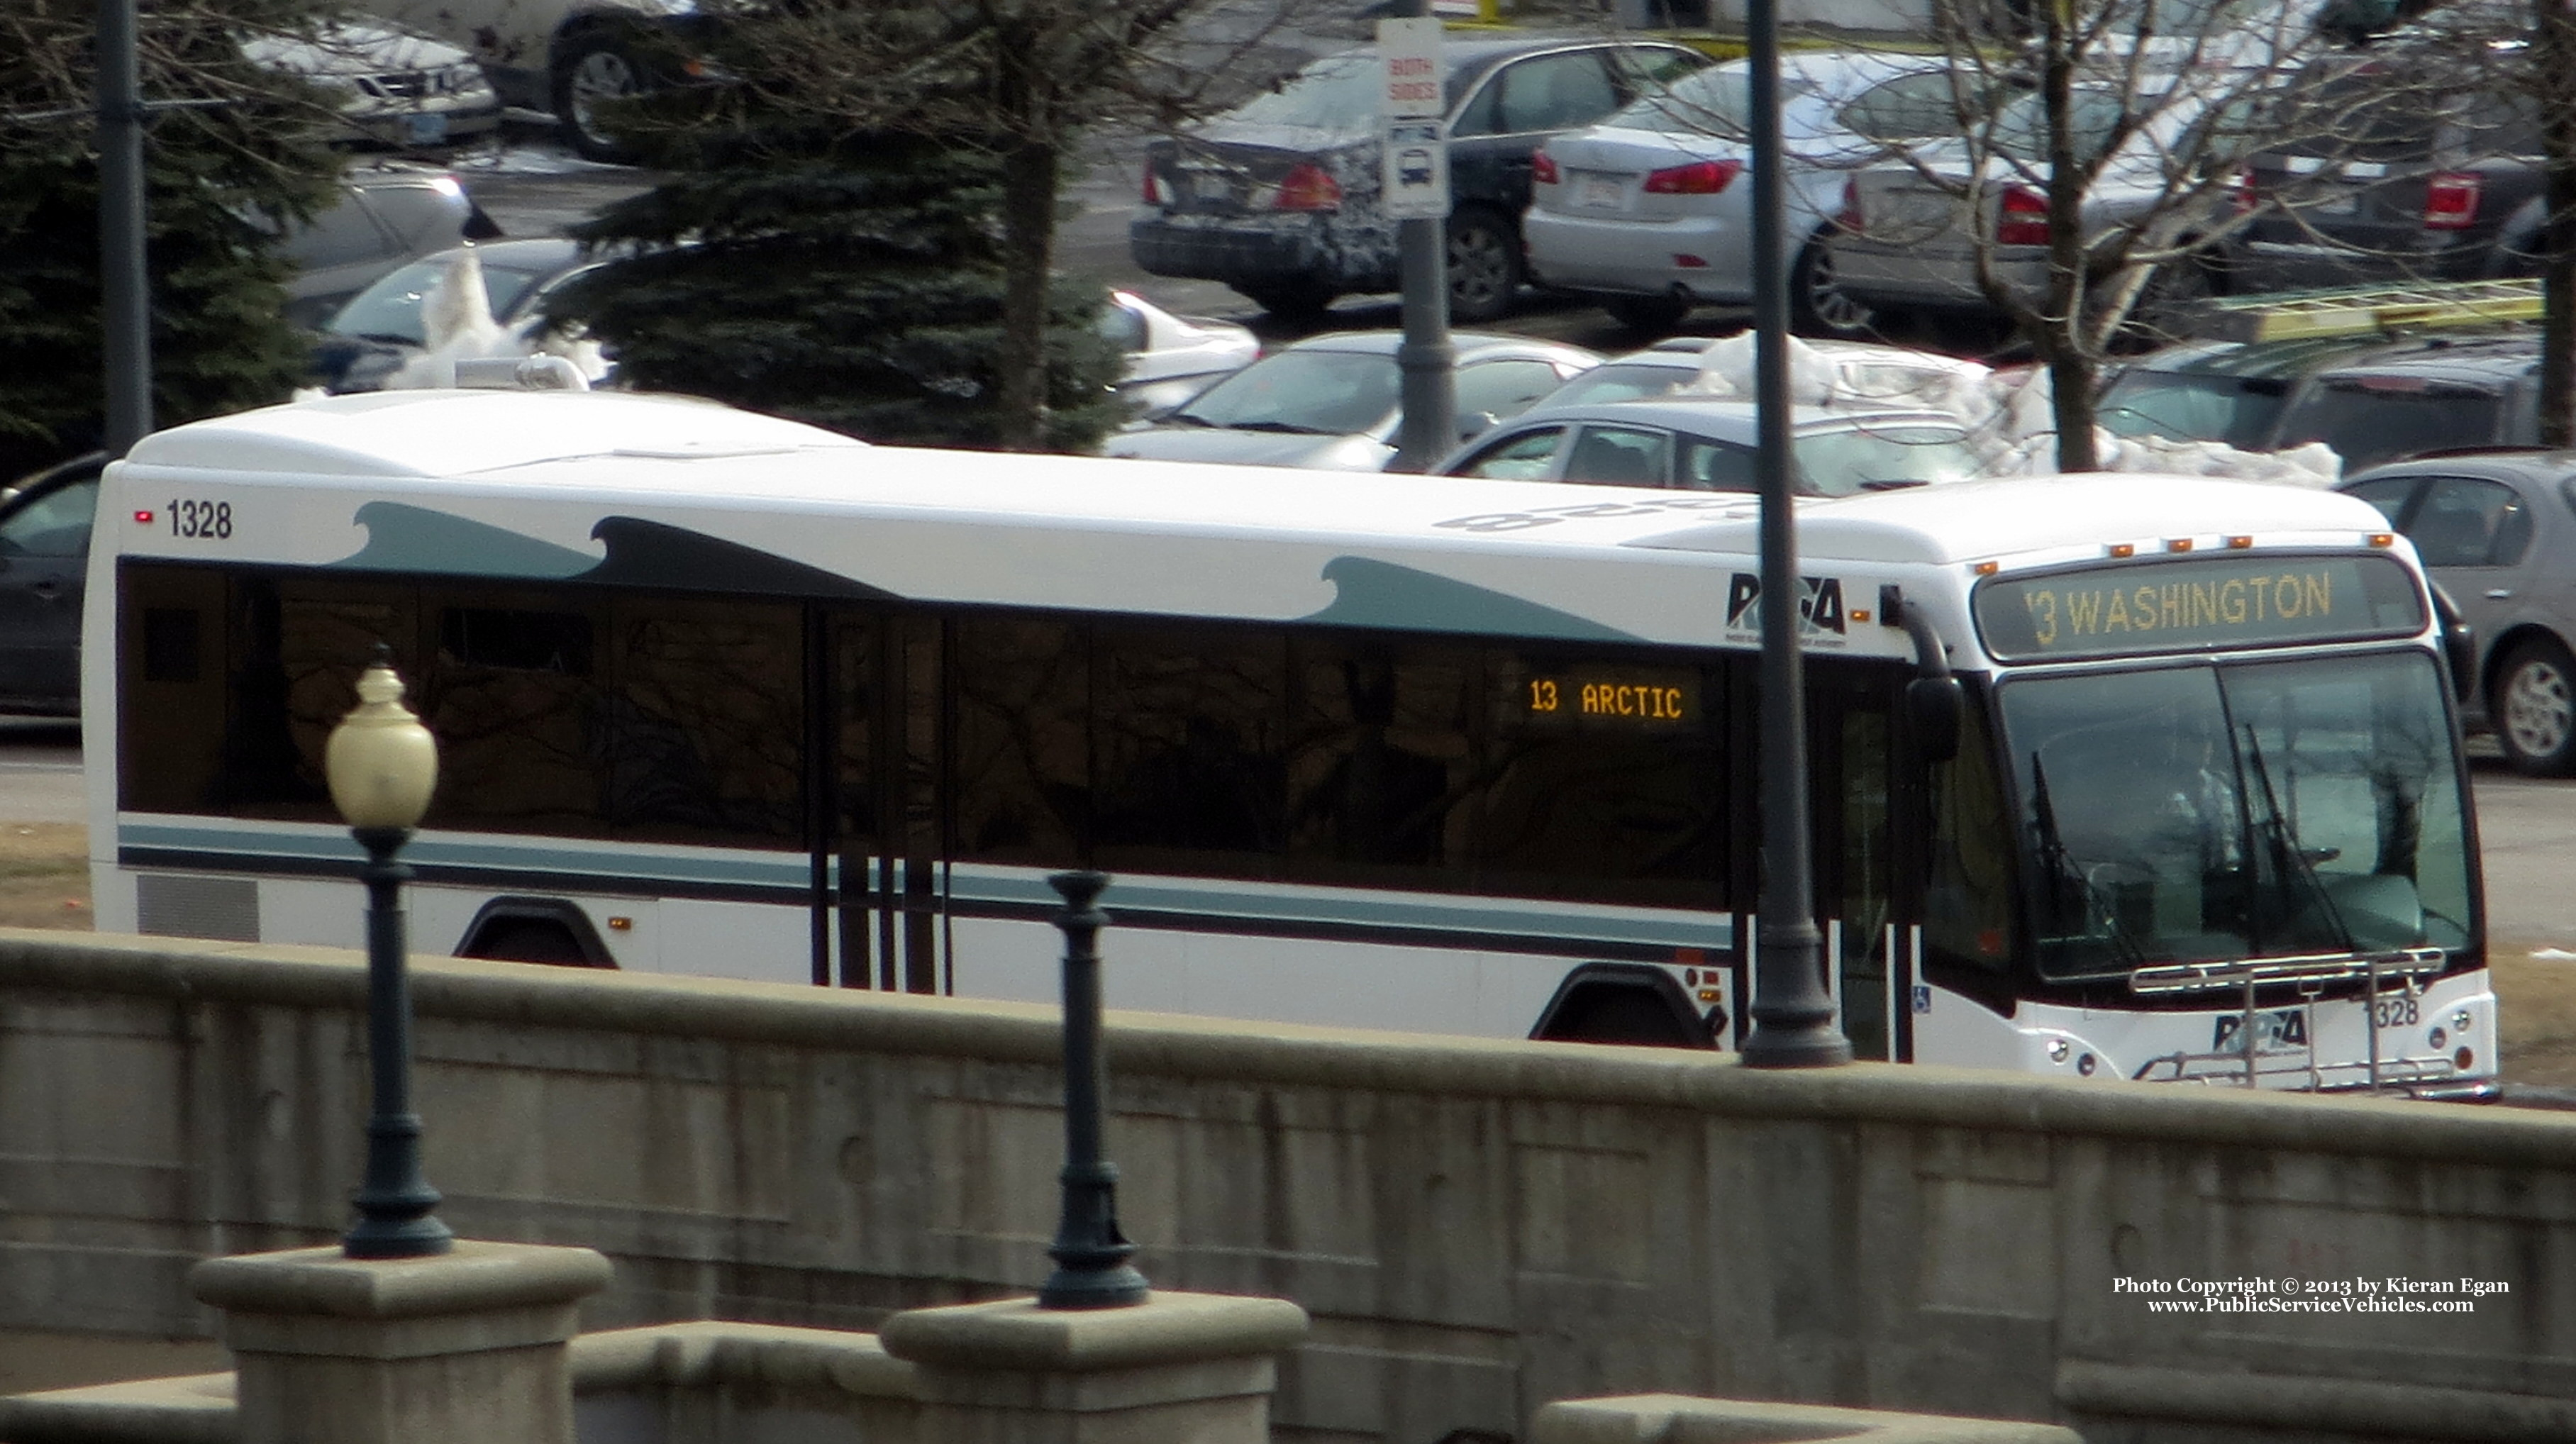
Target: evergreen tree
[(849, 279), (222, 175)]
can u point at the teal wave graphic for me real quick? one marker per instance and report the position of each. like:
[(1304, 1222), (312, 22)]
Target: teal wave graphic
[(1370, 593), (403, 538)]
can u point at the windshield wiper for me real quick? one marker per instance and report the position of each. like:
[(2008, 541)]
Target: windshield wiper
[(2276, 830), (1287, 426), (2062, 870)]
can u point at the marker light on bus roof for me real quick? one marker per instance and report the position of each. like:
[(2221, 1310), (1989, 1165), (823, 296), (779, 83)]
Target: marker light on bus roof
[(2178, 544), (1987, 569), (2123, 549), (2240, 543), (2383, 538)]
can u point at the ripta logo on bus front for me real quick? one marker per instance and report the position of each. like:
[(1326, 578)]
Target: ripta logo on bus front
[(1820, 604)]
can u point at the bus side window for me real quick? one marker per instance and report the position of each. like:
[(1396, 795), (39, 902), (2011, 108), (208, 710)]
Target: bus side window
[(172, 683), (1020, 754), (1187, 748), (1967, 905), (1381, 766)]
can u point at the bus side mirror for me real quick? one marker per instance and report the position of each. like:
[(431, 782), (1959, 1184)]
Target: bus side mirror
[(1933, 706), (2459, 643)]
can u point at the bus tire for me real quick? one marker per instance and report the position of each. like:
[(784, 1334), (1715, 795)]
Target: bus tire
[(2534, 706), (1626, 1003)]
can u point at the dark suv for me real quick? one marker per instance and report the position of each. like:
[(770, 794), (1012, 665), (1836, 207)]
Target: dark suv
[(1278, 198), (2372, 399), (2409, 182)]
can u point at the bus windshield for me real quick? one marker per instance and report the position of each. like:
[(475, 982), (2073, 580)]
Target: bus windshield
[(2207, 814)]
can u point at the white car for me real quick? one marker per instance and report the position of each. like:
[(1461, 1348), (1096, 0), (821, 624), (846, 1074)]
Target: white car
[(1650, 211), (1171, 358), (1335, 402), (391, 87)]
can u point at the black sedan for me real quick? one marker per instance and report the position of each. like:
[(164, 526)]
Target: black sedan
[(1279, 197)]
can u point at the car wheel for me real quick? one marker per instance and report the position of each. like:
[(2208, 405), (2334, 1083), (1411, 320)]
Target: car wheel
[(1648, 315), (592, 71), (1484, 265), (1301, 302), (2535, 709), (1817, 306)]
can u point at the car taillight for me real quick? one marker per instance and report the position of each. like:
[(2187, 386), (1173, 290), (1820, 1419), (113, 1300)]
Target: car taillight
[(1542, 168), (1699, 178), (1849, 217), (2240, 192), (1309, 187), (2451, 200), (2024, 221), (1153, 187)]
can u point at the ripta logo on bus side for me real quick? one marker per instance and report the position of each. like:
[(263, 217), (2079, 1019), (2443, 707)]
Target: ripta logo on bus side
[(1820, 604)]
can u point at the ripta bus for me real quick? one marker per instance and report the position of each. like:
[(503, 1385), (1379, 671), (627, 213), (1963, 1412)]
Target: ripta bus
[(2133, 778)]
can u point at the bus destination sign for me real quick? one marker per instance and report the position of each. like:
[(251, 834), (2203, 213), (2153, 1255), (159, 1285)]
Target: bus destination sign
[(1621, 700), (2140, 608)]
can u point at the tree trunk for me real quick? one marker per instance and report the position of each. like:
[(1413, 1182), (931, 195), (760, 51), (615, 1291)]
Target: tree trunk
[(1028, 248), (2064, 351), (2556, 74)]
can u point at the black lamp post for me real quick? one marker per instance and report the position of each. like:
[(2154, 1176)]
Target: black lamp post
[(1793, 1017), (382, 765), (1090, 1254)]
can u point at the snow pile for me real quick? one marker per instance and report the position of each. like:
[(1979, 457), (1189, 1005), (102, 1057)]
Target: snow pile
[(2006, 414), (456, 322)]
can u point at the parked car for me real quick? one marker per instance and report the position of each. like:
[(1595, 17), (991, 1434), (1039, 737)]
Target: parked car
[(382, 328), (2389, 174), (1865, 373), (2372, 399), (386, 214), (392, 87), (1336, 401), (570, 58), (2497, 530), (45, 523), (1905, 240), (1278, 198), (1171, 358), (1650, 212), (1703, 445)]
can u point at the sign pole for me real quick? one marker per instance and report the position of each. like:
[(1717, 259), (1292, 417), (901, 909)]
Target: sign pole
[(1413, 106)]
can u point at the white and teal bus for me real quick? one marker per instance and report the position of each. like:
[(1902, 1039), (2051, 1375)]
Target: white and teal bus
[(721, 694)]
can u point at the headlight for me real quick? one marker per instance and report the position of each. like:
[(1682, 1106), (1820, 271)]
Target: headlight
[(462, 79)]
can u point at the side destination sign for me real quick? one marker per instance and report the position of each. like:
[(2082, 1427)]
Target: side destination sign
[(2138, 608)]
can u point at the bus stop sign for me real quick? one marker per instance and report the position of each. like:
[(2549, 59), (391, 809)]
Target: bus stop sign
[(1413, 148)]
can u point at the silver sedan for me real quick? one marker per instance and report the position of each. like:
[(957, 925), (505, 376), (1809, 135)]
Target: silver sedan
[(1650, 211)]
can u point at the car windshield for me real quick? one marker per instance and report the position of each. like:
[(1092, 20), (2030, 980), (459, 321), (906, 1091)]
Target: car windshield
[(2205, 814), (2021, 126), (1329, 393), (2371, 419), (1617, 381), (2180, 406), (1338, 92), (1880, 458), (389, 310)]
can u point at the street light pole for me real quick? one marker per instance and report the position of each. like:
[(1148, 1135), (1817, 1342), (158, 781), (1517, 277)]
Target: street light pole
[(1092, 1271), (125, 294), (382, 766), (1793, 1018)]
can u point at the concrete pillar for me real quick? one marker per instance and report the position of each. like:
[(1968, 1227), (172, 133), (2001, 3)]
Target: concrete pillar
[(1175, 1369), (458, 1348)]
